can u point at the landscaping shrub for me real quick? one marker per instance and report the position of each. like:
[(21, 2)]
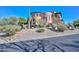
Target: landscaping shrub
[(11, 32), (49, 25), (40, 30), (10, 29), (1, 28), (61, 28)]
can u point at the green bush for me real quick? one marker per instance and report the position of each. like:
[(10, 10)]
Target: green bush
[(10, 29), (49, 25), (22, 21), (1, 28), (76, 23), (40, 30), (9, 21), (61, 28)]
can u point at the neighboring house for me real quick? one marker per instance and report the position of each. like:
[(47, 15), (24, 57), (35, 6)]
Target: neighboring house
[(44, 18)]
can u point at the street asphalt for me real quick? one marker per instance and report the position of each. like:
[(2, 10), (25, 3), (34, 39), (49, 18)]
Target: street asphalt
[(68, 43)]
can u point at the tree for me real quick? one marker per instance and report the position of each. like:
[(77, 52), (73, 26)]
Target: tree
[(39, 21), (76, 23), (9, 21), (13, 20), (22, 20), (4, 21)]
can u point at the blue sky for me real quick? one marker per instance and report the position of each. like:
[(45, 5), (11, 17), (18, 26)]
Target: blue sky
[(69, 13), (18, 11)]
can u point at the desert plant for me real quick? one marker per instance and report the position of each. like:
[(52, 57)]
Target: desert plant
[(40, 30), (9, 21), (3, 21), (13, 20), (61, 27), (11, 32), (49, 25), (10, 29), (22, 21), (76, 23)]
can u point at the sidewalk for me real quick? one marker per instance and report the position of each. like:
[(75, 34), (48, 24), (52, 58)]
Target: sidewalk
[(32, 35)]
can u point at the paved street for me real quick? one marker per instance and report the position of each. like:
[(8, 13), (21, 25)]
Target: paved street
[(31, 34), (68, 43)]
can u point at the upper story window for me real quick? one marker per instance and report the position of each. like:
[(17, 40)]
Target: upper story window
[(37, 14)]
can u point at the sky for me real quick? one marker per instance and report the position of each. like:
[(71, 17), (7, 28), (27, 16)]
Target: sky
[(18, 11), (69, 13)]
